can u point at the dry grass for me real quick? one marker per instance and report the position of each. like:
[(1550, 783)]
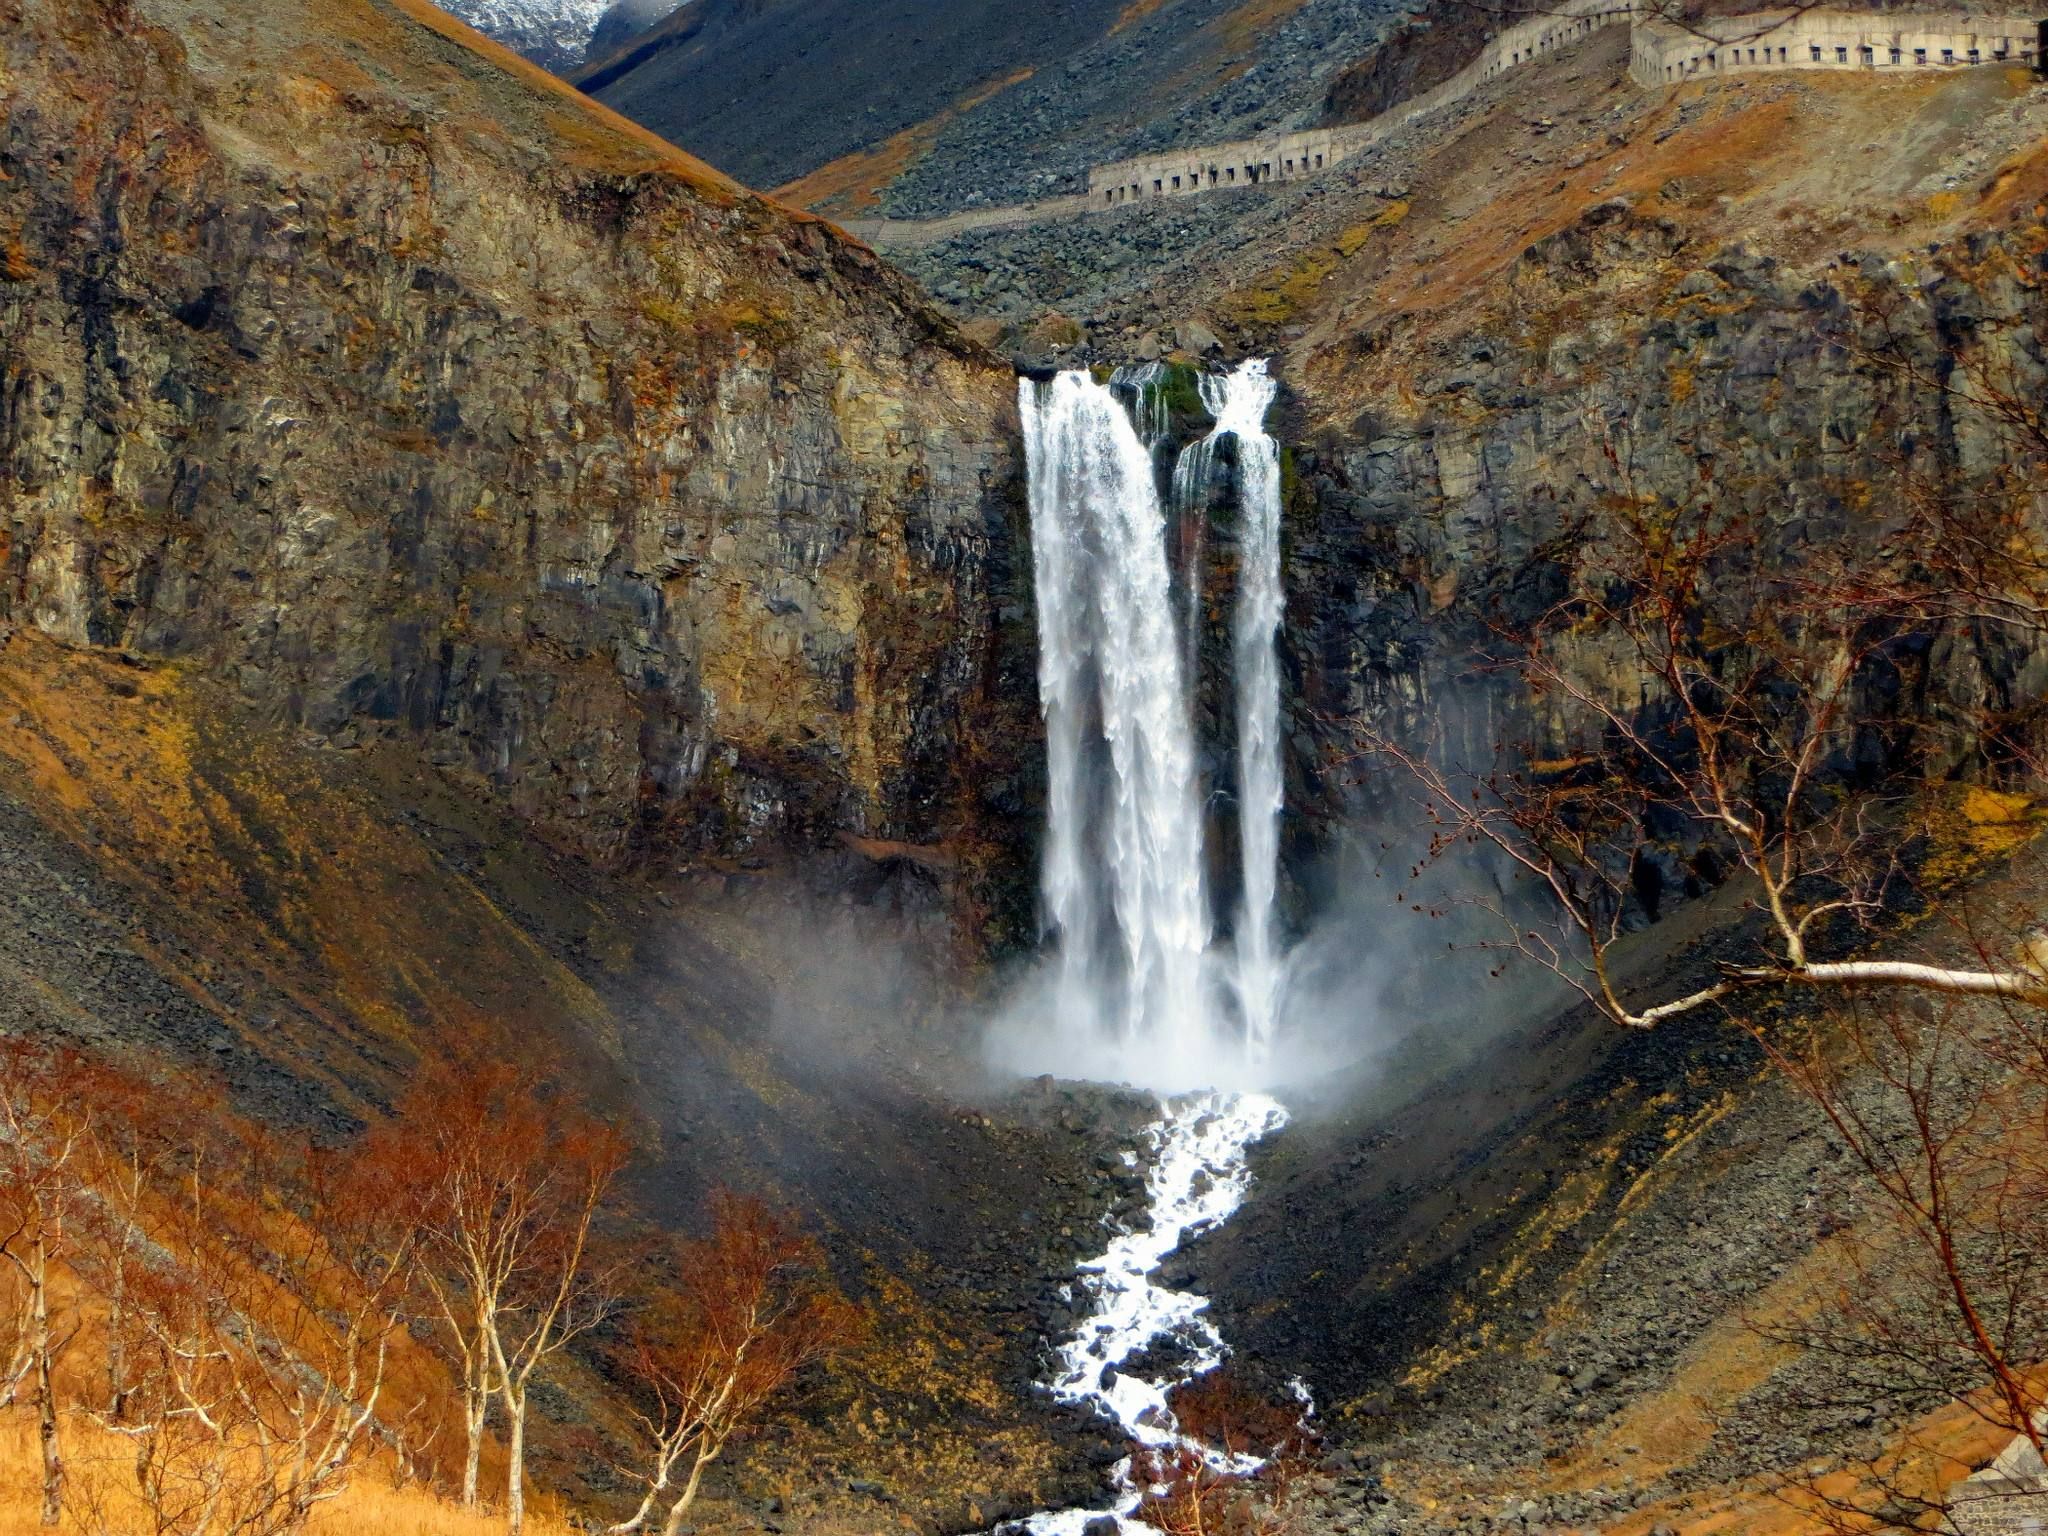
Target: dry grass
[(1932, 1454), (1239, 30), (375, 1508), (1724, 152), (1663, 1433), (279, 869), (371, 1506), (1792, 164)]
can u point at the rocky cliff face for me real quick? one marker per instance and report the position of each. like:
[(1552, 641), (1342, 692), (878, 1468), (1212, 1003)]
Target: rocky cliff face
[(1696, 371), (1408, 60), (1652, 346), (1743, 296), (360, 365), (398, 456)]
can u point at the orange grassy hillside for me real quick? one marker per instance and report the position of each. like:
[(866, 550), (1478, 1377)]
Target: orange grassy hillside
[(371, 1506)]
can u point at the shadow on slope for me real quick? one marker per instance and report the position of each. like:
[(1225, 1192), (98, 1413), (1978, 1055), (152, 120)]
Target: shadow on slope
[(839, 75)]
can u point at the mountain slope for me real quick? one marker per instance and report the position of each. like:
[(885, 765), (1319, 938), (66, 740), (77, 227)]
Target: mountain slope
[(471, 577), (1005, 102), (769, 89), (1529, 1296)]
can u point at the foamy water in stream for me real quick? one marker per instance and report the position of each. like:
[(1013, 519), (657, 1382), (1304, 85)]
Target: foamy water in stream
[(1197, 1177)]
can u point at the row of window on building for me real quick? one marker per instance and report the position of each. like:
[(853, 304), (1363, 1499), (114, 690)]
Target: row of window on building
[(1226, 176), (1545, 43), (1838, 53)]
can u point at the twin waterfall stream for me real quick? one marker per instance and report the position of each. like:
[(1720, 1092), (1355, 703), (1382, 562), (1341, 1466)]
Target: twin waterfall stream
[(1143, 991)]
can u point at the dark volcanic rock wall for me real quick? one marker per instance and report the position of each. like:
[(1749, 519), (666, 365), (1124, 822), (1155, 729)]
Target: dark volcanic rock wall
[(1461, 484), (1411, 60), (411, 394), (1626, 362)]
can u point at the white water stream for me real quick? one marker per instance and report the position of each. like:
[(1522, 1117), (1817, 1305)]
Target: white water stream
[(1139, 994), (1196, 1180)]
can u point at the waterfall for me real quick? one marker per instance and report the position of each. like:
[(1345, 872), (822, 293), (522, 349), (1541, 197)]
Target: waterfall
[(1239, 402), (1133, 966), (1139, 994), (1191, 473)]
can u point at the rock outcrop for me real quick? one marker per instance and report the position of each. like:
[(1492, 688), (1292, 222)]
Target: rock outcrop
[(353, 361), (1625, 359)]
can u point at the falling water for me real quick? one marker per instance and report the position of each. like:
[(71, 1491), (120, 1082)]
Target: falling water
[(1239, 402), (1139, 994), (1133, 967), (1191, 473)]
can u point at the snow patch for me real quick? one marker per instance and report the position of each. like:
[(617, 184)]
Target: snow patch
[(553, 33)]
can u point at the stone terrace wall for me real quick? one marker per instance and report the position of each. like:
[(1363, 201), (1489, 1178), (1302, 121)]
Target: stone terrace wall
[(1292, 156), (1178, 172), (2007, 1498), (1660, 54), (1663, 54)]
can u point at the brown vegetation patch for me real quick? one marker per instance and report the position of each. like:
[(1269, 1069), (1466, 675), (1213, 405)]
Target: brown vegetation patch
[(922, 1411), (853, 184), (2018, 191), (1933, 1453), (1799, 167), (1721, 153), (608, 141), (1135, 12), (1239, 30), (373, 1505)]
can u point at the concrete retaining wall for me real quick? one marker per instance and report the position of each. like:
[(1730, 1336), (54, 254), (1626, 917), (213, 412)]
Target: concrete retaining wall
[(2007, 1498), (1660, 54), (1663, 54), (1292, 156), (1244, 163)]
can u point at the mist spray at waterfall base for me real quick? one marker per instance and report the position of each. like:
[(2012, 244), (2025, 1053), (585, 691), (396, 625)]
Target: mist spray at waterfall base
[(1137, 989)]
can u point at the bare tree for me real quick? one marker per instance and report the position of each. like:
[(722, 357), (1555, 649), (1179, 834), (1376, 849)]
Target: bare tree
[(41, 1096), (1697, 685), (753, 1308), (257, 1337), (1236, 1468), (1714, 696), (506, 1182), (129, 1154), (1937, 1295)]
